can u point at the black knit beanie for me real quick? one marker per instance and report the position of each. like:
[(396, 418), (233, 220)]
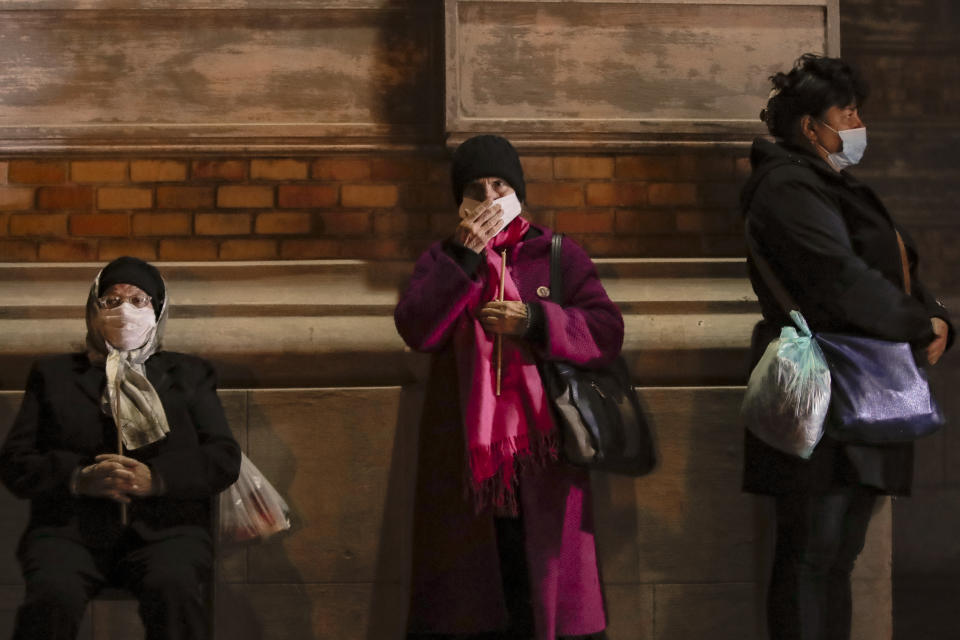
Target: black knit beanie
[(486, 156), (128, 270)]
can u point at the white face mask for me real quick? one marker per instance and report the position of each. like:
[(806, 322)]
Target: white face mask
[(854, 144), (510, 208), (127, 327)]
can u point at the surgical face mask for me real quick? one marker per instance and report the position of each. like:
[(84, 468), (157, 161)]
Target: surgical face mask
[(854, 144), (126, 327), (510, 208)]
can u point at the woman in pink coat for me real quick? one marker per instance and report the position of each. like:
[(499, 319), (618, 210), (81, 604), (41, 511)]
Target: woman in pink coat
[(503, 533)]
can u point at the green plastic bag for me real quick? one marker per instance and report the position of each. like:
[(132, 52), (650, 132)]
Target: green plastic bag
[(789, 392)]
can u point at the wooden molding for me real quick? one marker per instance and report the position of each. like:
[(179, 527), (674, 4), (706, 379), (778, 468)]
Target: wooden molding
[(623, 72)]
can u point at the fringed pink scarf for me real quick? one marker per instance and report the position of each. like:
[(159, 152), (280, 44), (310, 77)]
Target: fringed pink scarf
[(502, 433)]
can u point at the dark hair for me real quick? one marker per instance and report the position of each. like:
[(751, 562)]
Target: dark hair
[(815, 84)]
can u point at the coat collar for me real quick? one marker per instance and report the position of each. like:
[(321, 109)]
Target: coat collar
[(91, 377)]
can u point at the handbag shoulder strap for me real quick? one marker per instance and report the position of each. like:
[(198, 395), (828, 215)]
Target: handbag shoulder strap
[(773, 283), (904, 263), (556, 268)]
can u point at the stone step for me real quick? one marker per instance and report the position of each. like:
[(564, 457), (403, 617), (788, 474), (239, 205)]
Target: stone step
[(319, 323)]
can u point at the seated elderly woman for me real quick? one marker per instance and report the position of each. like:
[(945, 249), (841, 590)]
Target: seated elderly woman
[(119, 450), (503, 536)]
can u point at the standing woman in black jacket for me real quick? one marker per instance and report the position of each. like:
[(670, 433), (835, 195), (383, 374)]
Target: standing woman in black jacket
[(837, 251)]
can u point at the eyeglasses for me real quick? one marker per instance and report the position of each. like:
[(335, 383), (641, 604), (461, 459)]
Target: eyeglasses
[(139, 300)]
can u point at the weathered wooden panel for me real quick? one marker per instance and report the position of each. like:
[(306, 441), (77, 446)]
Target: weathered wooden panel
[(628, 69), (244, 78)]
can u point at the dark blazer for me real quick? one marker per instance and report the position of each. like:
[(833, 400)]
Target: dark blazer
[(833, 246), (60, 426)]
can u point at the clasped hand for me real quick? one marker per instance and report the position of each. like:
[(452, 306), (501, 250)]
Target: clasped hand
[(508, 317), (115, 477)]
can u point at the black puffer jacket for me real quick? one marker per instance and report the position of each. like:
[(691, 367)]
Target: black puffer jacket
[(833, 245)]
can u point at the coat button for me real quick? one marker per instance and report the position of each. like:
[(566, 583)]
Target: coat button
[(543, 292)]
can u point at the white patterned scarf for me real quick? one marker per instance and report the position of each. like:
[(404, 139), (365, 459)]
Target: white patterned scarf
[(129, 396)]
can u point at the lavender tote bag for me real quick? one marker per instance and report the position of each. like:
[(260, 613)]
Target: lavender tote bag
[(878, 393)]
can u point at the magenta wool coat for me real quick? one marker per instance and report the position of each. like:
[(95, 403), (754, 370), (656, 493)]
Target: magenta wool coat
[(456, 573)]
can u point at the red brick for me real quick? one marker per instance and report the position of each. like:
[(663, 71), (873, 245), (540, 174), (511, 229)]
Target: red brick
[(708, 221), (393, 223), (583, 167), (158, 171), (248, 249), (4, 172), (369, 195), (705, 166), (648, 167), (17, 250), (398, 168), (188, 249), (719, 194), (143, 249), (312, 249), (306, 196), (185, 197), (443, 224), (37, 172), (585, 221), (341, 169), (100, 171), (245, 197), (616, 194), (99, 224), (429, 196), (124, 198), (68, 250), (38, 224), (287, 222), (4, 223), (607, 246), (438, 170), (536, 167), (672, 194), (285, 169), (632, 221), (222, 224), (555, 194), (65, 198), (227, 170), (16, 198), (339, 223), (162, 224), (378, 249), (545, 217)]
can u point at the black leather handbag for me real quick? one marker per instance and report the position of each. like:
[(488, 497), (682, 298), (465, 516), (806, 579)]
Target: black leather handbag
[(601, 422)]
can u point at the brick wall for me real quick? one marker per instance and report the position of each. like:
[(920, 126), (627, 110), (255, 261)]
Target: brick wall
[(375, 206)]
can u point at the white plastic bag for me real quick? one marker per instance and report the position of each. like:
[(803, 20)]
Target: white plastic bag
[(789, 392), (250, 508)]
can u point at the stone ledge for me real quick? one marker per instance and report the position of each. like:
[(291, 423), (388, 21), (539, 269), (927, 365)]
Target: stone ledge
[(330, 323)]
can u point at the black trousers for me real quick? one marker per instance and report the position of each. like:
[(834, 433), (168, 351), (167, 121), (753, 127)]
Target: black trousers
[(516, 590), (166, 575), (818, 540)]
